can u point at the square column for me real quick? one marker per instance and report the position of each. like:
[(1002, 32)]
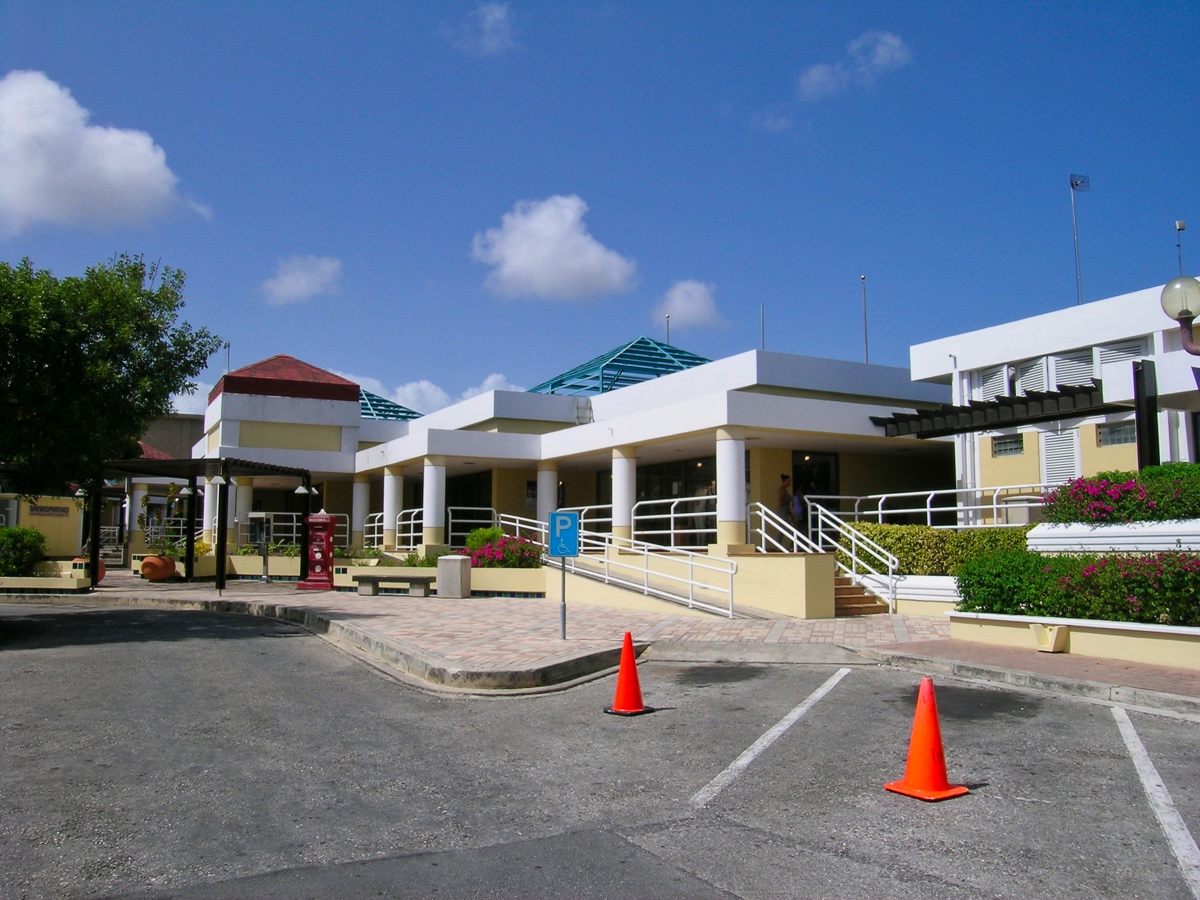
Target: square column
[(624, 490), (360, 508), (135, 510), (210, 513), (547, 490), (393, 502), (433, 531), (243, 503)]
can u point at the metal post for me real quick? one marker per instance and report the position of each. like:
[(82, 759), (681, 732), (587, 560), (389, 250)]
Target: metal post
[(189, 540), (866, 348), (1145, 412), (562, 607), (221, 538), (94, 501)]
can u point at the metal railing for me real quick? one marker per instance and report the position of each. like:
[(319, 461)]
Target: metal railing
[(769, 532), (597, 518), (682, 521), (855, 554), (462, 520), (695, 580), (410, 532), (1005, 506), (286, 528), (373, 530)]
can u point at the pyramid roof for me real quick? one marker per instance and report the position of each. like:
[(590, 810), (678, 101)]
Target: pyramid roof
[(286, 376), (639, 360)]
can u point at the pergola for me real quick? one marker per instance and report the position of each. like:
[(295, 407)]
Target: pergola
[(191, 471)]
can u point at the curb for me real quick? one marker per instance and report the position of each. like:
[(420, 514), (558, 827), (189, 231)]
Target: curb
[(1114, 694), (428, 668)]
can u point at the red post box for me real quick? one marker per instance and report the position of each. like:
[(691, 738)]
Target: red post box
[(320, 553)]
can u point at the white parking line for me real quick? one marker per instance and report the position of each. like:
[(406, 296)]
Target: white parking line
[(735, 768), (1173, 826)]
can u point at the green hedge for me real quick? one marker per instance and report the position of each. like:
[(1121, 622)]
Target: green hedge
[(1155, 494), (21, 549), (922, 550), (1154, 588)]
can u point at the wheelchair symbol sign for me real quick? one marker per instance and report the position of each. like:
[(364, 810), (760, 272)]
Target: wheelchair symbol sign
[(564, 534)]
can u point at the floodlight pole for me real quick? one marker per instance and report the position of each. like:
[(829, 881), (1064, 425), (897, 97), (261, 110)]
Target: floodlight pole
[(866, 347), (1078, 183), (1180, 228), (668, 328)]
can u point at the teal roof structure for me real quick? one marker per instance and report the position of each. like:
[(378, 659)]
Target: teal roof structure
[(639, 360), (372, 406)]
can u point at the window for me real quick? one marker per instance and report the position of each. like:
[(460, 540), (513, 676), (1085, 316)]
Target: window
[(1110, 434), (1008, 445), (1060, 456)]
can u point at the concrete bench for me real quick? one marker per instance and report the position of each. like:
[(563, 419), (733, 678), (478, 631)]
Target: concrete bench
[(418, 585)]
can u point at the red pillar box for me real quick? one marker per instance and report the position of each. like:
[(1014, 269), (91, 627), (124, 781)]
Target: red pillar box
[(320, 554)]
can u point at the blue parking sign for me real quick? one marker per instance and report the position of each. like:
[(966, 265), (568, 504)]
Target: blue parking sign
[(564, 534)]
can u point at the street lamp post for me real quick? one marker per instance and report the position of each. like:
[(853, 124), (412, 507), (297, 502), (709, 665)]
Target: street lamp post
[(1181, 301)]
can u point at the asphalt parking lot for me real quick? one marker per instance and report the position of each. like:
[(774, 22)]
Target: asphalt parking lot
[(148, 753)]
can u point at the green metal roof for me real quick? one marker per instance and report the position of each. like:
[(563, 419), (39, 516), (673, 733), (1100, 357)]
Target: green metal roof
[(372, 406), (639, 360)]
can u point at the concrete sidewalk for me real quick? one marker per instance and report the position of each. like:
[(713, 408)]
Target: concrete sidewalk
[(514, 644)]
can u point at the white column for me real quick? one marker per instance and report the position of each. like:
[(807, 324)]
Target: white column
[(731, 486), (434, 502), (393, 502), (210, 512), (624, 490), (242, 504), (360, 508), (547, 490)]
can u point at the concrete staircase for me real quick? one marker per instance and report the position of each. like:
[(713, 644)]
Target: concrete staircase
[(852, 600)]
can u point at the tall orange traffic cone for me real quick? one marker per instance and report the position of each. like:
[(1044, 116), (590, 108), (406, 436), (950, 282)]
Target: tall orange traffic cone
[(925, 774), (628, 699)]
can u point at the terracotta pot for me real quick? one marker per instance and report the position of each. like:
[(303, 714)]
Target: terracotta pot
[(103, 567), (157, 568)]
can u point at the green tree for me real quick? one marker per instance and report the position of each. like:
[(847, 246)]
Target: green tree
[(87, 363)]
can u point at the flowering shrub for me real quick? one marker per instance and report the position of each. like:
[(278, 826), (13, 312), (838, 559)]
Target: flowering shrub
[(1156, 494), (506, 553), (1155, 588)]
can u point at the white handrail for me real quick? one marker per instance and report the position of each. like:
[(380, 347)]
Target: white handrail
[(462, 520), (373, 530), (641, 566), (979, 507), (683, 516), (409, 528), (592, 516), (775, 534), (864, 555)]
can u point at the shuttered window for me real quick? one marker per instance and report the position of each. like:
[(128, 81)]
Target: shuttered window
[(993, 383), (1031, 376), (1073, 368), (1060, 456), (1122, 352)]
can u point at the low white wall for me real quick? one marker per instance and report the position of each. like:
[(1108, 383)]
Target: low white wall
[(1133, 537)]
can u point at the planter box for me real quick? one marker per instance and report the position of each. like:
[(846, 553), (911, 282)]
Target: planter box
[(251, 566), (1124, 538), (918, 595), (48, 584), (483, 581), (1160, 645)]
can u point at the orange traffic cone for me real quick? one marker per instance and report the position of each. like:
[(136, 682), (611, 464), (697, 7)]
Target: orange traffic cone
[(628, 699), (925, 774)]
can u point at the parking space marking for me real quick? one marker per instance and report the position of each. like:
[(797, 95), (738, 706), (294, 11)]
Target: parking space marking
[(703, 796), (1173, 826)]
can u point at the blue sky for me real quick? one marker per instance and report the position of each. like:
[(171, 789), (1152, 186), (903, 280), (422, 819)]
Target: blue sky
[(439, 198)]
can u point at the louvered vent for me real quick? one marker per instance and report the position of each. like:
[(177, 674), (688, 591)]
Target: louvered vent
[(993, 383), (1031, 376), (1060, 456), (1073, 368)]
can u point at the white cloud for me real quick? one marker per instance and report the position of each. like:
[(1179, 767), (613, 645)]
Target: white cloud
[(871, 54), (689, 303), (424, 396), (543, 249), (774, 120), (194, 404), (57, 169), (486, 31), (299, 278)]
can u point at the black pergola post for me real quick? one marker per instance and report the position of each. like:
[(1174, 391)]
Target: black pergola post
[(189, 541), (94, 501), (221, 538), (1145, 412), (304, 529)]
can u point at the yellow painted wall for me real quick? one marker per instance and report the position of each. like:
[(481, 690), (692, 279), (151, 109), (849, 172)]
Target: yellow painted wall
[(860, 474), (508, 491), (1023, 469), (336, 497), (59, 519), (214, 439), (1093, 458), (766, 465), (290, 436)]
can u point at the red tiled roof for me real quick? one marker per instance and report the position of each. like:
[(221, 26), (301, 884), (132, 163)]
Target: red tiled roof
[(148, 452), (286, 376)]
